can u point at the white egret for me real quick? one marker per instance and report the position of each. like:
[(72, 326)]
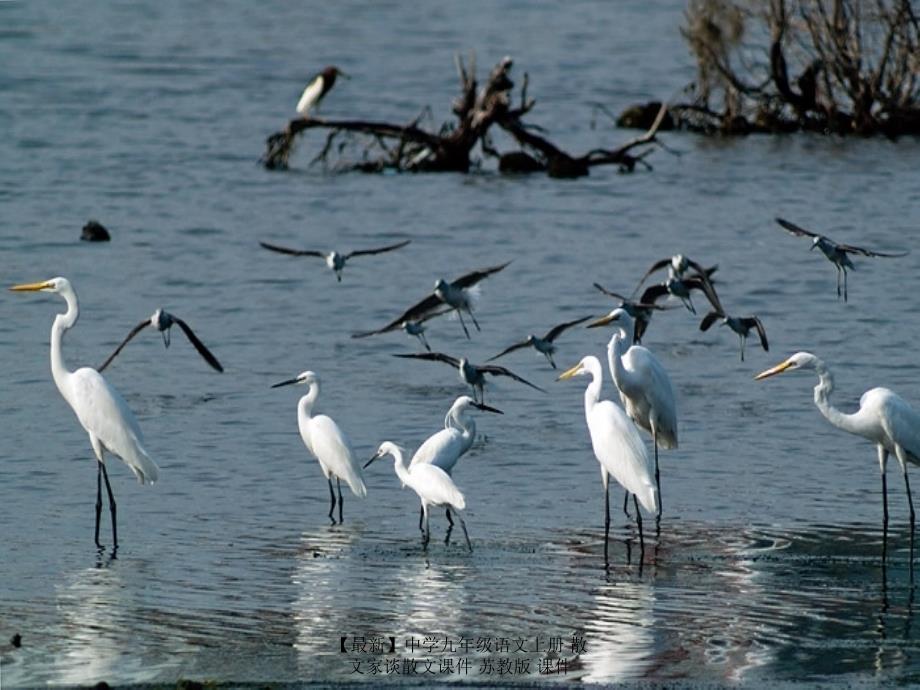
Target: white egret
[(454, 294), (432, 484), (327, 443), (883, 417), (617, 446), (644, 386), (837, 254), (163, 321), (334, 261), (317, 88), (471, 374), (544, 345), (445, 447), (100, 409)]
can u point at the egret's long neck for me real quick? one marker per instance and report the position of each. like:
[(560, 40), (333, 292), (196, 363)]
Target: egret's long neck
[(399, 464), (305, 405), (62, 323), (593, 391), (463, 422), (615, 349), (823, 392)]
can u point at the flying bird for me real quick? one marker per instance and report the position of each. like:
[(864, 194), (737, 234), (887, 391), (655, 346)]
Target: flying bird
[(644, 386), (837, 254), (327, 443), (317, 89), (454, 294), (883, 417), (334, 260), (471, 374), (101, 411), (544, 345), (617, 446), (163, 321), (741, 325), (640, 311)]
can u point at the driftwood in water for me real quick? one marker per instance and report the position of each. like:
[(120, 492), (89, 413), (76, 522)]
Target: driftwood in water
[(411, 148)]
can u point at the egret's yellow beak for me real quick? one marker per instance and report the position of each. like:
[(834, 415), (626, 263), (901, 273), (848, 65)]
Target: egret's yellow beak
[(778, 369), (31, 287), (603, 321), (569, 373)]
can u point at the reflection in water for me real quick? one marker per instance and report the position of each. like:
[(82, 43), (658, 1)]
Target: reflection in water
[(620, 633)]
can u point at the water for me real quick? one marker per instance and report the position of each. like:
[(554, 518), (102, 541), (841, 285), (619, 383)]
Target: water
[(150, 117)]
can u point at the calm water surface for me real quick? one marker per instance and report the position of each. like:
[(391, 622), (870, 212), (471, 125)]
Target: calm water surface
[(151, 116)]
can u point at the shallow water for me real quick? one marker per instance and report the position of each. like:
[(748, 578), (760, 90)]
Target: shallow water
[(150, 117)]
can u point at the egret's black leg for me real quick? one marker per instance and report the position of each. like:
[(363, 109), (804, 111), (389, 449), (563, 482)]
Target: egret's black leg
[(657, 477), (332, 504), (427, 535), (639, 524), (421, 519), (884, 518), (465, 533), (626, 504), (473, 317), (108, 489), (98, 501), (338, 484), (606, 520), (910, 503), (460, 314), (450, 527)]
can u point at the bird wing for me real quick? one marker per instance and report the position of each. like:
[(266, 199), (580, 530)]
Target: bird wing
[(105, 415), (655, 385), (709, 319), (610, 293), (379, 250), (899, 420), (869, 252), (292, 252), (653, 293), (702, 284), (516, 346), (754, 322), (420, 311), (496, 370), (657, 266), (134, 331), (434, 357), (797, 230), (311, 94), (442, 449), (334, 451), (470, 279), (554, 333), (620, 450), (435, 486), (202, 350)]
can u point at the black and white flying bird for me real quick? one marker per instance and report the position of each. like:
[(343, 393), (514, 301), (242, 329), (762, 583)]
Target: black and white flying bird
[(455, 295), (334, 260), (741, 325), (543, 345), (163, 321), (639, 311), (471, 374), (837, 254), (317, 88), (680, 281)]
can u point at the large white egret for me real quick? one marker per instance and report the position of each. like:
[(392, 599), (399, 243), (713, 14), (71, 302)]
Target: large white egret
[(100, 409), (836, 253), (617, 446), (545, 345), (163, 321), (432, 484), (883, 417), (317, 88), (644, 386), (445, 447), (327, 443), (335, 261)]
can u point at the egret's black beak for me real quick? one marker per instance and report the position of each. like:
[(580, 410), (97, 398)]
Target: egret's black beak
[(286, 383), (368, 463), (486, 408)]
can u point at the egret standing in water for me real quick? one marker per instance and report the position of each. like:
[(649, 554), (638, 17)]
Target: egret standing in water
[(644, 386), (837, 254), (617, 446), (163, 321), (327, 443), (334, 261), (883, 417), (100, 409), (317, 89), (433, 486), (545, 345)]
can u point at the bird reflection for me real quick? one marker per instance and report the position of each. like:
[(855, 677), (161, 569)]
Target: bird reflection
[(620, 633)]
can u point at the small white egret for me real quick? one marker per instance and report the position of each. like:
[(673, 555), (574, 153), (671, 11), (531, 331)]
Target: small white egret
[(644, 386), (883, 417), (163, 321), (445, 447), (317, 88), (432, 484), (837, 254), (100, 409), (327, 443), (617, 446), (471, 374), (334, 261), (454, 294), (544, 345)]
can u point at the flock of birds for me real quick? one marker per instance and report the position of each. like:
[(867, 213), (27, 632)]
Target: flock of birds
[(646, 396)]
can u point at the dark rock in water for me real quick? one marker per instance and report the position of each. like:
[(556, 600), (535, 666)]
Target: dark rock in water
[(94, 231), (16, 640), (643, 115), (519, 162)]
